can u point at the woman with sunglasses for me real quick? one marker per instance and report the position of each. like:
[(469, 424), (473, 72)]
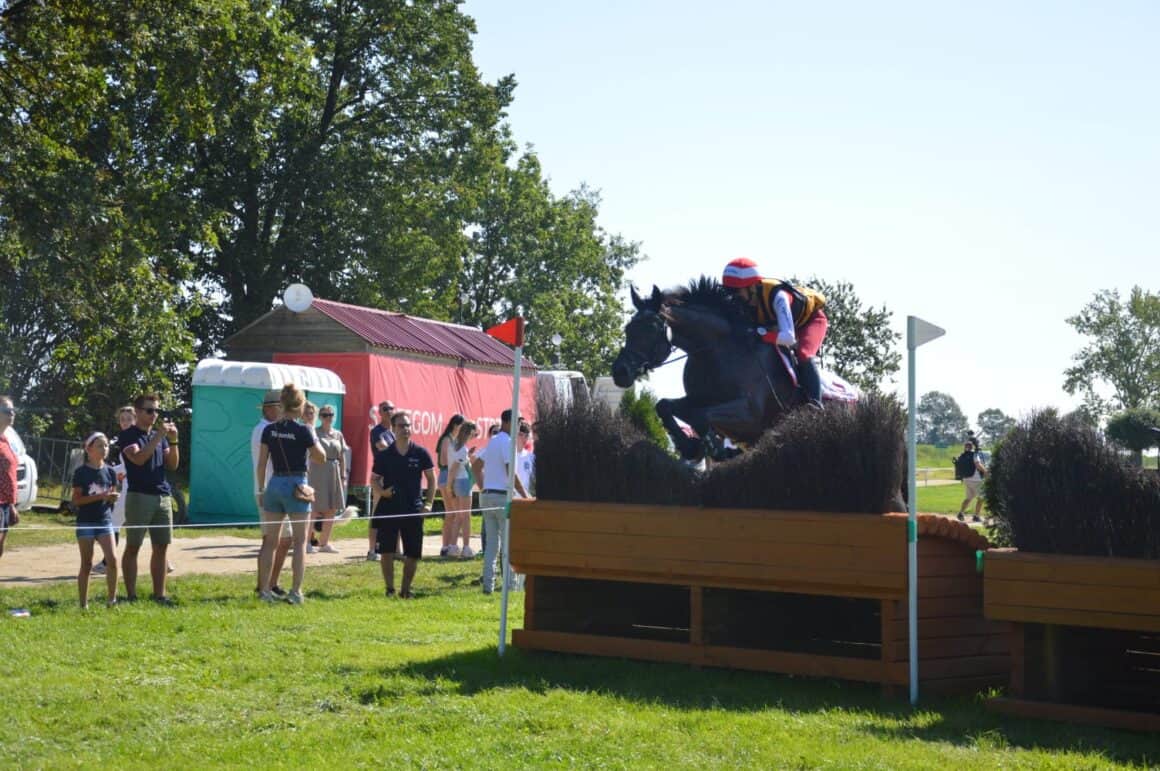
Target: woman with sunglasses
[(327, 478)]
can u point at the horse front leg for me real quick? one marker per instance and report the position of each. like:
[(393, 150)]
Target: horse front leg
[(669, 410)]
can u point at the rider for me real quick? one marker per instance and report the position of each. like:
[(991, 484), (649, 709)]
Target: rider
[(794, 313)]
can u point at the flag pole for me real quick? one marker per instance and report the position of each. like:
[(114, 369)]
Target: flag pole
[(507, 509)]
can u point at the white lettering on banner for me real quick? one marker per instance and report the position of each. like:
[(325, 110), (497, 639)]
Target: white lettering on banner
[(424, 422)]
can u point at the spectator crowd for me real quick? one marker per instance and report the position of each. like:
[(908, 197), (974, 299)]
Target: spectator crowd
[(301, 484)]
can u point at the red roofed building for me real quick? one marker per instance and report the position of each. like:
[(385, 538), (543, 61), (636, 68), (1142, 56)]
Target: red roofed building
[(431, 369)]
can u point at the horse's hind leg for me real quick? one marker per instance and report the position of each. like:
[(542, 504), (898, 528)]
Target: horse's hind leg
[(670, 409)]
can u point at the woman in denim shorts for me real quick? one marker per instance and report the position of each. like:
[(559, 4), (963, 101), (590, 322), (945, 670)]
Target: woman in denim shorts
[(286, 444), (94, 491)]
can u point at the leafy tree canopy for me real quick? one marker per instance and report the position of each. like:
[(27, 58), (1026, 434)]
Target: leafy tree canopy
[(939, 420), (1133, 429), (200, 155), (1123, 351), (993, 424), (860, 345)]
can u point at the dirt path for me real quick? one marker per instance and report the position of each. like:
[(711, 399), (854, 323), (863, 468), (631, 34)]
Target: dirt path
[(40, 565)]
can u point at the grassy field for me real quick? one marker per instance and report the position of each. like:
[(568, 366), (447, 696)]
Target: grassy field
[(354, 679)]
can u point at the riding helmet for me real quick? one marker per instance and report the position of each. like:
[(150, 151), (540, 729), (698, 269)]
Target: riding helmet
[(741, 272)]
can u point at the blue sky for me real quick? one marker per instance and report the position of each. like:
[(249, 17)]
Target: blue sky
[(985, 166)]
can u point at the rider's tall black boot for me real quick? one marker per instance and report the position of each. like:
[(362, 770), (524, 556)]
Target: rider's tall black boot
[(811, 381)]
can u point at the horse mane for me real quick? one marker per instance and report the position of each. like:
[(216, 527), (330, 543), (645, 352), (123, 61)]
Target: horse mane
[(707, 292)]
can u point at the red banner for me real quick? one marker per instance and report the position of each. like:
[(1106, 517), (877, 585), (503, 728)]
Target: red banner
[(430, 392)]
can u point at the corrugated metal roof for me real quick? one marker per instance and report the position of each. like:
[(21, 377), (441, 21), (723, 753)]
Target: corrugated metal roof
[(415, 335)]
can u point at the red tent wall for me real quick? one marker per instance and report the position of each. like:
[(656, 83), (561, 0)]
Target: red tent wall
[(431, 392)]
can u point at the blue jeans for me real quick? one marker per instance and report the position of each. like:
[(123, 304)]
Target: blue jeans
[(493, 521)]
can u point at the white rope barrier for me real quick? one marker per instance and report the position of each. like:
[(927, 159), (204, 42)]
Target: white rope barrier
[(252, 523)]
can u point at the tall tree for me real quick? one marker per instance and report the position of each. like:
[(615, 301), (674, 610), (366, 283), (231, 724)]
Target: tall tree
[(1135, 430), (939, 420), (993, 424), (90, 281), (208, 152), (1123, 351), (547, 259), (860, 345)]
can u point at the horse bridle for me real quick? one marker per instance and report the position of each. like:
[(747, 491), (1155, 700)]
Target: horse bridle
[(642, 364)]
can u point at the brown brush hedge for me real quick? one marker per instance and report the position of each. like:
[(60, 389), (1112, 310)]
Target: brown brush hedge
[(845, 459), (1056, 486), (588, 453)]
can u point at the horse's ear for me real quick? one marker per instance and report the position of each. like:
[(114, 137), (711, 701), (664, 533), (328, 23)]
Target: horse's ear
[(657, 297), (637, 302)]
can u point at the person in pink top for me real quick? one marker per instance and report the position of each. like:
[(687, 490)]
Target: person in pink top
[(8, 463)]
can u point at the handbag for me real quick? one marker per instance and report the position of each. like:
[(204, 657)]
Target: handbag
[(302, 491)]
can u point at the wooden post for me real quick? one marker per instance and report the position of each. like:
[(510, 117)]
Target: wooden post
[(1017, 642)]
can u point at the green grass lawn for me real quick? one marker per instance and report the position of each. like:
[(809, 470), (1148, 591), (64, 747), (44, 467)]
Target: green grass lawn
[(354, 679)]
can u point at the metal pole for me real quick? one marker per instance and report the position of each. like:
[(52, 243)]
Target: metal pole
[(507, 509), (912, 518), (918, 332)]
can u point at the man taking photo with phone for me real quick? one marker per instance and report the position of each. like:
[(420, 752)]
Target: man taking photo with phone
[(148, 452)]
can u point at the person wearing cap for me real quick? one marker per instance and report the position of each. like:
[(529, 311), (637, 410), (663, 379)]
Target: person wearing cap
[(786, 315), (271, 413)]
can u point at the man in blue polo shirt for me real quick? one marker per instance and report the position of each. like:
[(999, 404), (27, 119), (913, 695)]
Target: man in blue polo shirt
[(398, 473), (148, 453), (381, 439)]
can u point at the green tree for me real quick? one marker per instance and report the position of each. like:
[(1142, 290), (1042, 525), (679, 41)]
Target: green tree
[(1133, 430), (1123, 351), (90, 281), (860, 345), (547, 259), (993, 424), (209, 152), (939, 420), (640, 408)]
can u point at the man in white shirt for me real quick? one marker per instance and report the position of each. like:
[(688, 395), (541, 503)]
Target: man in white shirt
[(271, 412), (493, 467)]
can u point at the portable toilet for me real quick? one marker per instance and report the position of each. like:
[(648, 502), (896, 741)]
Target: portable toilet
[(227, 400)]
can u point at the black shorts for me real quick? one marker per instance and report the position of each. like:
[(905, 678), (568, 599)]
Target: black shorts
[(410, 528)]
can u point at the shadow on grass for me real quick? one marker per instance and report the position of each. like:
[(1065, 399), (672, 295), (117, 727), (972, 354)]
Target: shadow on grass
[(958, 721)]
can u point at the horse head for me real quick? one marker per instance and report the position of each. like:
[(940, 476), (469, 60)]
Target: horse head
[(646, 340)]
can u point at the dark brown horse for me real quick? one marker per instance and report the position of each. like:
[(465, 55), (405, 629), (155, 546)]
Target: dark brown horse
[(735, 385)]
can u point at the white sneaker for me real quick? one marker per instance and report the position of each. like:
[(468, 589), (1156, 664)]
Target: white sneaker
[(328, 549), (267, 597), (467, 553), (453, 550), (295, 598), (98, 569), (310, 548), (372, 557)]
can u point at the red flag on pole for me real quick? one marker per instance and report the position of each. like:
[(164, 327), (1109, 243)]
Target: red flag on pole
[(510, 332)]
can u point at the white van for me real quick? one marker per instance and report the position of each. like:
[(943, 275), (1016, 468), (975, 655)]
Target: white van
[(26, 476)]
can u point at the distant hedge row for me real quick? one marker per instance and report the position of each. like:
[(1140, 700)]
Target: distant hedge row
[(1055, 485), (845, 459)]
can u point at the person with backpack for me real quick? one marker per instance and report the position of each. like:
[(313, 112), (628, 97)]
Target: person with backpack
[(970, 470)]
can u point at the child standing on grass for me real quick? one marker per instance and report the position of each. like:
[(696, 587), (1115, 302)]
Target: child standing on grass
[(94, 493)]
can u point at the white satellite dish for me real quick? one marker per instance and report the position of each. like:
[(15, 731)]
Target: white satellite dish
[(297, 297)]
